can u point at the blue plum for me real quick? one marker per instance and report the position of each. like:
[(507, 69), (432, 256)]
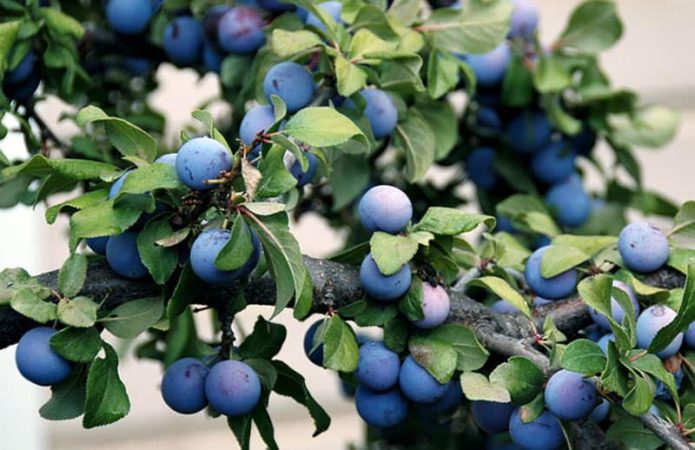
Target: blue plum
[(232, 388), (291, 82), (490, 67), (23, 71), (524, 19), (662, 393), (258, 119), (123, 256), (202, 159), (385, 208), (435, 306), (570, 202), (643, 247), (529, 131), (650, 322), (380, 111), (333, 8), (37, 362), (384, 288), (276, 5), (304, 177), (212, 59), (22, 92), (117, 185), (205, 249), (169, 158), (417, 384), (381, 409), (492, 417), (584, 142), (449, 402), (503, 306), (603, 342), (617, 311), (241, 30), (554, 163), (570, 396), (183, 386), (600, 413), (211, 22), (98, 244), (378, 366), (544, 433), (128, 17), (182, 41), (315, 356), (480, 167), (690, 336), (551, 288), (593, 332), (488, 118), (138, 67)]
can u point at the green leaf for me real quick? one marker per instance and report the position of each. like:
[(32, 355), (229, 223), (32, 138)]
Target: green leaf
[(264, 342), (583, 356), (186, 288), (83, 201), (288, 43), (373, 18), (443, 122), (67, 398), (442, 73), (238, 249), (550, 75), (321, 127), (517, 85), (504, 291), (340, 351), (476, 387), (396, 334), (593, 27), (478, 28), (452, 222), (241, 427), (471, 354), (77, 344), (291, 384), (680, 258), (28, 304), (276, 179), (614, 377), (265, 427), (596, 292), (376, 314), (635, 436), (205, 117), (685, 316), (128, 139), (102, 219), (438, 357), (148, 178), (80, 312), (559, 258), (72, 275), (652, 127), (392, 252), (61, 23), (8, 34), (415, 138), (591, 245), (13, 280), (132, 318), (411, 303), (640, 397), (520, 377), (350, 77), (532, 410), (160, 261), (684, 222), (107, 400), (72, 169), (653, 365), (265, 208)]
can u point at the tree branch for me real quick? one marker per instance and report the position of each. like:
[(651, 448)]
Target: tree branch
[(337, 285)]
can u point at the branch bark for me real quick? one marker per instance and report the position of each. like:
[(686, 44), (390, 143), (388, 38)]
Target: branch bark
[(336, 285)]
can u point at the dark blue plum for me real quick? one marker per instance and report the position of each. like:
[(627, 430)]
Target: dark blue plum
[(232, 388), (37, 362), (98, 244), (315, 356), (544, 433), (138, 67), (551, 288), (381, 409), (205, 249), (435, 306), (662, 393), (524, 19), (23, 71), (291, 82), (304, 177), (643, 247), (690, 336), (600, 413), (378, 366), (333, 8), (603, 342), (169, 158), (488, 118), (22, 92), (650, 322), (257, 119), (417, 384), (384, 288), (584, 142), (202, 159), (554, 163), (570, 396), (380, 111), (241, 30), (211, 22), (492, 417), (617, 311), (182, 41), (183, 386), (503, 306), (385, 208), (449, 402), (570, 202), (593, 332), (506, 225), (276, 5), (529, 132), (490, 67), (123, 256), (481, 168), (212, 59), (129, 17)]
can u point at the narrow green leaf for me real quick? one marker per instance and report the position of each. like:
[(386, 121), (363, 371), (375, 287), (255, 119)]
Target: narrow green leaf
[(503, 289), (106, 401), (132, 318)]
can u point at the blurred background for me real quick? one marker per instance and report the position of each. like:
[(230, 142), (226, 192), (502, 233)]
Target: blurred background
[(653, 58)]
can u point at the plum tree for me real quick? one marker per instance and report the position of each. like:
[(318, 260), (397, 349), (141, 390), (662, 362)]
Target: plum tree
[(200, 160), (617, 311), (378, 366), (385, 208), (183, 40), (129, 17), (435, 306), (643, 247), (291, 82), (232, 388), (570, 396), (183, 386), (559, 286), (650, 322), (381, 409), (37, 362), (543, 433), (417, 384), (240, 30), (380, 111), (207, 247), (384, 288), (492, 417), (124, 257)]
